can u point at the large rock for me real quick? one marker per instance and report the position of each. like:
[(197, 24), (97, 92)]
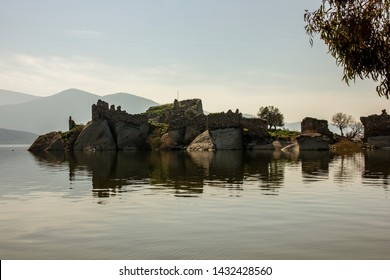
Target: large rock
[(379, 142), (130, 137), (171, 140), (190, 134), (313, 141), (51, 141), (376, 125), (203, 142), (227, 138), (96, 136), (313, 125)]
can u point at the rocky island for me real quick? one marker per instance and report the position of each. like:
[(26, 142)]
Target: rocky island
[(183, 125), (176, 126)]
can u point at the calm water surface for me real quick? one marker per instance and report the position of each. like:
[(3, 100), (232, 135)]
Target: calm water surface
[(177, 205)]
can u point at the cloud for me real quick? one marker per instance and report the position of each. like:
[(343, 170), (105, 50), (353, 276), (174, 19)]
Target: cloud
[(45, 75)]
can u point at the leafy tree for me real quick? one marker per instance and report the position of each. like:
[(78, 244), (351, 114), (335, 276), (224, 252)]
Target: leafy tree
[(271, 115), (342, 121), (357, 33)]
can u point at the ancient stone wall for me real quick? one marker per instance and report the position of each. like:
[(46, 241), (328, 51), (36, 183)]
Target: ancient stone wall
[(100, 111), (376, 125), (198, 122), (224, 120), (187, 107), (255, 127), (312, 125), (187, 113), (185, 122)]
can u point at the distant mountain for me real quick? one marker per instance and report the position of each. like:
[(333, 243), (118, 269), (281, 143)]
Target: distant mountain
[(131, 103), (12, 97), (297, 127), (51, 113), (249, 116), (16, 137)]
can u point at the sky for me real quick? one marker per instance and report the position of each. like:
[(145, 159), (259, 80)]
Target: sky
[(232, 54)]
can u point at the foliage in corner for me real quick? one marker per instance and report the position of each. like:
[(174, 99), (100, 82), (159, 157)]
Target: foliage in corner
[(357, 33)]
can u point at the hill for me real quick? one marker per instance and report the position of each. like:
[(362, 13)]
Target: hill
[(12, 97), (51, 113), (296, 126), (16, 137)]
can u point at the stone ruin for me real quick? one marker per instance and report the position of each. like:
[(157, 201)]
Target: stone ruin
[(315, 135), (224, 120), (171, 126), (72, 123), (255, 129), (113, 129), (187, 113), (312, 125), (100, 111), (377, 130), (376, 125)]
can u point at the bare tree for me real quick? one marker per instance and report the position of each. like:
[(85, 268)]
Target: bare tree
[(342, 121), (356, 130)]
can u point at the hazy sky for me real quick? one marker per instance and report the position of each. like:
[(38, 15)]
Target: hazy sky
[(232, 54)]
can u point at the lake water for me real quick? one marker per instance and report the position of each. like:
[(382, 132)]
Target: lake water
[(178, 205)]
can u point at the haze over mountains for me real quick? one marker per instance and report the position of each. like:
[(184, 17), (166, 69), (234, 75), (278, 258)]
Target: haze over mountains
[(40, 115), (8, 136), (12, 97)]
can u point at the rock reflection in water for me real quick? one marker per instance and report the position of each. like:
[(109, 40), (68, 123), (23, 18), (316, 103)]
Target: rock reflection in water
[(377, 167), (268, 168), (186, 174), (315, 165), (181, 173)]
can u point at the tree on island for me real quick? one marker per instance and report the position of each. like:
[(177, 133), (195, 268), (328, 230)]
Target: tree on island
[(356, 130), (357, 33), (342, 121), (271, 115)]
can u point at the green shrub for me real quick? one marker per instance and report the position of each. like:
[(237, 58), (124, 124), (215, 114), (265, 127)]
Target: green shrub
[(284, 134)]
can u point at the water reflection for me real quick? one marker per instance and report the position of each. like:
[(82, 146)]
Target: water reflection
[(377, 168), (268, 168), (186, 174), (315, 165), (346, 166)]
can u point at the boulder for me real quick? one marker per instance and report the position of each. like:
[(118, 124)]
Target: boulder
[(171, 140), (227, 138), (190, 134), (313, 125), (51, 141), (203, 142), (313, 141), (130, 137), (96, 136), (379, 142), (276, 145), (376, 125)]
